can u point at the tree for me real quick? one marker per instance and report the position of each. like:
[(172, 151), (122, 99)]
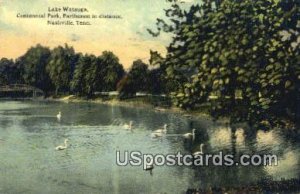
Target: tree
[(159, 80), (33, 63), (124, 87), (9, 72), (155, 81), (93, 75), (96, 74), (136, 80), (88, 75), (222, 48), (4, 65), (60, 67), (112, 71), (77, 84)]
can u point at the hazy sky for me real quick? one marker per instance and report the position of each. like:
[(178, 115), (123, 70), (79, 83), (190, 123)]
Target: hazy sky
[(126, 37)]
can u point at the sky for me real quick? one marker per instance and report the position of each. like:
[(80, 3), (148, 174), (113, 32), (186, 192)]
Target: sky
[(127, 37)]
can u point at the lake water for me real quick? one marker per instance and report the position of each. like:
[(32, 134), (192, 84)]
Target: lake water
[(29, 163)]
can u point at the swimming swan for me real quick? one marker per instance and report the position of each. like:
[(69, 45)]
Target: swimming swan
[(58, 116), (128, 126), (157, 134), (190, 135), (199, 152), (62, 147), (164, 130)]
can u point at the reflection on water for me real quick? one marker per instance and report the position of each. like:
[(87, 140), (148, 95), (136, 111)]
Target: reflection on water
[(240, 137), (221, 137), (267, 139), (287, 163), (29, 133)]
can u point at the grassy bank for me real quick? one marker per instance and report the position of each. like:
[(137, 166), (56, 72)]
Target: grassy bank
[(164, 105), (154, 103)]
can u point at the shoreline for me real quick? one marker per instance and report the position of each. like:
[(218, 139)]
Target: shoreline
[(143, 102), (135, 103)]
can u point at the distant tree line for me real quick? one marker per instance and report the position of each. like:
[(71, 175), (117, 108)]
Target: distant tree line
[(63, 71)]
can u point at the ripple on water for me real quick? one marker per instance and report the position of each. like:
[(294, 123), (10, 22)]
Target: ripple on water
[(96, 132)]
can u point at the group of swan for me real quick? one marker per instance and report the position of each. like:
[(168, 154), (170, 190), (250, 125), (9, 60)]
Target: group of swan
[(150, 167), (162, 131), (189, 136), (65, 145), (157, 133)]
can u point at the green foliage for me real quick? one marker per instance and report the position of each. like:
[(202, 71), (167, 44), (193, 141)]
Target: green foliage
[(61, 70), (96, 74), (10, 72), (60, 66), (137, 80), (124, 87), (87, 75), (112, 71), (34, 63), (160, 76), (220, 47)]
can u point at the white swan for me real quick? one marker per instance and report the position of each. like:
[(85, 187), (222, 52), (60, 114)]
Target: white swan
[(128, 126), (62, 147), (199, 152), (190, 135), (58, 116), (157, 134), (164, 130), (160, 109)]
